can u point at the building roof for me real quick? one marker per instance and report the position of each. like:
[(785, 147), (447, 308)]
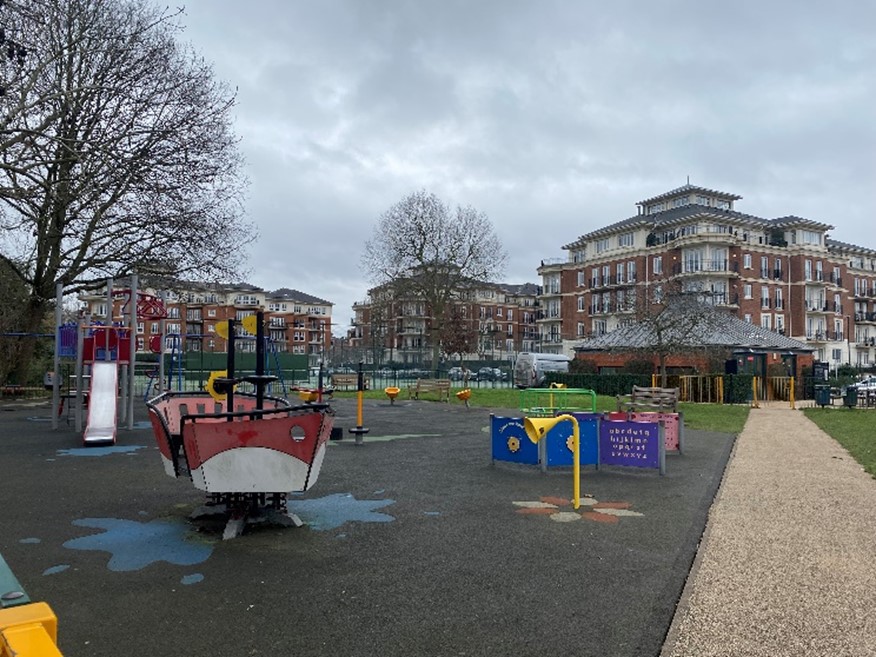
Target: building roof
[(687, 189), (715, 328), (836, 245), (287, 294), (684, 213)]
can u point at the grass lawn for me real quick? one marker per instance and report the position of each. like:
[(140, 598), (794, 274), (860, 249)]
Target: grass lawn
[(853, 429), (705, 417)]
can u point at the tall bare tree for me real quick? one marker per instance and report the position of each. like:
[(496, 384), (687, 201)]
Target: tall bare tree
[(116, 150), (673, 320), (458, 336), (428, 251)]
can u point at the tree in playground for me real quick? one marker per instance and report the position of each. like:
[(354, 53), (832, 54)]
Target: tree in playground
[(428, 252), (117, 152)]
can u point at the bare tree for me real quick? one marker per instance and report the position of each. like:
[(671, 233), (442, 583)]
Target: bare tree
[(458, 336), (116, 150), (428, 251), (673, 321)]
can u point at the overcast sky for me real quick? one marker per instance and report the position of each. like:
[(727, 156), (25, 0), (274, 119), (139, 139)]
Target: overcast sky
[(553, 118)]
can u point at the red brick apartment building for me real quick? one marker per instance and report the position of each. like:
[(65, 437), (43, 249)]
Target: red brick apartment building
[(784, 274), (298, 323), (502, 317)]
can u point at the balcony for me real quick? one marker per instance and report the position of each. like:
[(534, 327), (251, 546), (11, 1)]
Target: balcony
[(817, 306), (865, 318), (718, 298), (825, 336), (613, 281), (867, 341), (706, 267)]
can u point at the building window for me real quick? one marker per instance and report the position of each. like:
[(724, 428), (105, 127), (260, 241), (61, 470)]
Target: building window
[(657, 265), (809, 237), (746, 260), (780, 323), (582, 279), (602, 245), (766, 321), (581, 332), (746, 291), (807, 270), (626, 239), (211, 312), (631, 271), (764, 297), (747, 317), (581, 303), (780, 302)]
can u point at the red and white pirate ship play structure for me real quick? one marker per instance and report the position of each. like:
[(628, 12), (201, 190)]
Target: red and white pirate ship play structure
[(246, 450)]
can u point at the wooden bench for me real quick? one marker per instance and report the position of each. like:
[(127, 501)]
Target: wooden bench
[(424, 386), (642, 398), (349, 381)]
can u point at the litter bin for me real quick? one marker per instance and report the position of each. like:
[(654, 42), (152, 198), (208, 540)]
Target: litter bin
[(822, 396), (851, 397)]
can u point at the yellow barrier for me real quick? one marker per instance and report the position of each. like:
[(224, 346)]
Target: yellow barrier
[(28, 631)]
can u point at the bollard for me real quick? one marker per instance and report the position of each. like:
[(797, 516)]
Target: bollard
[(359, 430)]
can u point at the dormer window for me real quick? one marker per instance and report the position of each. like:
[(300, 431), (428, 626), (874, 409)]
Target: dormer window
[(656, 207)]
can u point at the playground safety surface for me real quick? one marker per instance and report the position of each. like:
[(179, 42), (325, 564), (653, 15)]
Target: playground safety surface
[(412, 545)]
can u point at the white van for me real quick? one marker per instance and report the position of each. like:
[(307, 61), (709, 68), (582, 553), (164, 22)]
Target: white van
[(530, 368)]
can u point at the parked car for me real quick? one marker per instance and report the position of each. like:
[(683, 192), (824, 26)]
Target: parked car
[(454, 374), (865, 385), (486, 374)]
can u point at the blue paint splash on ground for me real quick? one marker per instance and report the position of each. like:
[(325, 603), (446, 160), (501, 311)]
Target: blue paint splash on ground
[(30, 540), (194, 578), (135, 545), (56, 569), (333, 511), (100, 451)]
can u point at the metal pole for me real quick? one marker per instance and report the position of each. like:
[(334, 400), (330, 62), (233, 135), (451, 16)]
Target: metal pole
[(56, 362), (161, 326), (133, 349)]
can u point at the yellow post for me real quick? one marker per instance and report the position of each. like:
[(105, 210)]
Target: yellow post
[(791, 393), (653, 380), (537, 428), (720, 389), (754, 403)]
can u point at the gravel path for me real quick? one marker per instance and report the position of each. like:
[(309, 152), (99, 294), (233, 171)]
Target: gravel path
[(787, 565)]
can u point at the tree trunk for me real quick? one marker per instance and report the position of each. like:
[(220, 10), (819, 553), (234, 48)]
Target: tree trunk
[(24, 352)]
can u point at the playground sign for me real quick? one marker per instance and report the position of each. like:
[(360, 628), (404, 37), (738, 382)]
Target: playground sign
[(632, 444)]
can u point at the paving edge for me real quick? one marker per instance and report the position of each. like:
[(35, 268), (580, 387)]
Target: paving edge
[(683, 604)]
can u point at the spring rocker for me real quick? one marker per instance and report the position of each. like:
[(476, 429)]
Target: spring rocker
[(246, 450)]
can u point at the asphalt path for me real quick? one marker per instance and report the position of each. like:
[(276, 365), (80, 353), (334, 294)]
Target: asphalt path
[(412, 546)]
